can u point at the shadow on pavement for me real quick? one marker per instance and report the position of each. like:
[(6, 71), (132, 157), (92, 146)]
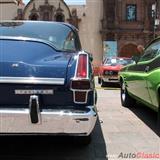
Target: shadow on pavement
[(148, 116), (112, 85), (52, 147)]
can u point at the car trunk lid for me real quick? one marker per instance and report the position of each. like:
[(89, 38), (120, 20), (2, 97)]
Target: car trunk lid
[(35, 67), (31, 59)]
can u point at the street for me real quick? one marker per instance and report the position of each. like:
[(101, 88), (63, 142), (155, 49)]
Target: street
[(119, 132)]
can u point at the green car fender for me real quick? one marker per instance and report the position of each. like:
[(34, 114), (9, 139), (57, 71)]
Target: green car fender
[(158, 93)]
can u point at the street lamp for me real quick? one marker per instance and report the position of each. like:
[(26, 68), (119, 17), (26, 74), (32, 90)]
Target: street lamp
[(155, 16)]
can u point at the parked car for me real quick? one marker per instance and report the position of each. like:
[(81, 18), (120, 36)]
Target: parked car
[(141, 81), (108, 71), (46, 80)]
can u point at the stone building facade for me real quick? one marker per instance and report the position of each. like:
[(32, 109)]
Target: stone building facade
[(128, 23), (90, 16), (47, 10), (43, 10), (13, 6)]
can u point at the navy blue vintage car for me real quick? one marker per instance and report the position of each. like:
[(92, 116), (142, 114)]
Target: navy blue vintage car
[(46, 80)]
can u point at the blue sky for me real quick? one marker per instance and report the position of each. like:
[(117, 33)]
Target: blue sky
[(81, 2)]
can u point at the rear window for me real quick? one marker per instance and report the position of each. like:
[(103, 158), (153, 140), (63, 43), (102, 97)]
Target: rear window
[(61, 36)]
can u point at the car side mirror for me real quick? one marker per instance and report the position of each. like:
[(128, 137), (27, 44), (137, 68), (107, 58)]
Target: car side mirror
[(136, 58)]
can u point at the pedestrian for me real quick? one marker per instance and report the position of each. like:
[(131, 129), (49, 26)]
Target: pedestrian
[(140, 49)]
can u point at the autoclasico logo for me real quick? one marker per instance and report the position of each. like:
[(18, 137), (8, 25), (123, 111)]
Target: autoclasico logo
[(139, 155)]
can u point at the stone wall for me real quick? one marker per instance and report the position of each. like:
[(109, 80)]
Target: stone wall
[(89, 28), (126, 32), (8, 9)]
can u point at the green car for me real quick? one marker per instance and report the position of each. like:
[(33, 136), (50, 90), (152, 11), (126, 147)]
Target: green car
[(141, 81)]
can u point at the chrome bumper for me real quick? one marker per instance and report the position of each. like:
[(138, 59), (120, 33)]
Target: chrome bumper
[(110, 79), (72, 122)]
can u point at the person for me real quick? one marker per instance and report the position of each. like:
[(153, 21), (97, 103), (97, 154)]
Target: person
[(140, 49)]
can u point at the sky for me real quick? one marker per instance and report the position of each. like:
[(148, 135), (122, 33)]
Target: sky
[(69, 2)]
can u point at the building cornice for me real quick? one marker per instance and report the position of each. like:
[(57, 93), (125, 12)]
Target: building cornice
[(8, 2)]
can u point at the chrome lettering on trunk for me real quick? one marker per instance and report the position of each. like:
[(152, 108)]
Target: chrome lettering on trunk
[(35, 91)]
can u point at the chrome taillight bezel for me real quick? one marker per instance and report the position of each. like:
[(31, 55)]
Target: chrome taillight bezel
[(77, 78), (80, 90), (87, 66)]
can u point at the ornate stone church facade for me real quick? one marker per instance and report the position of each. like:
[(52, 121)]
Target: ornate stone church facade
[(129, 23), (9, 9), (44, 10), (48, 10)]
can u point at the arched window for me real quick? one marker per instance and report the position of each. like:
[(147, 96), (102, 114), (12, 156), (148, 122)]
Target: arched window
[(46, 16), (128, 50), (33, 17), (59, 18)]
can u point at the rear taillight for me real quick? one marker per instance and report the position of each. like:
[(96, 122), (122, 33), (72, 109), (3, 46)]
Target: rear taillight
[(80, 84), (82, 66), (80, 90), (80, 97)]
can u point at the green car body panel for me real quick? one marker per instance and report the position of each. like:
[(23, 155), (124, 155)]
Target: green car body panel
[(142, 79)]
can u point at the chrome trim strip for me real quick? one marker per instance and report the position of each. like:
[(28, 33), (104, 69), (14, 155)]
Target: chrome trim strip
[(32, 80), (81, 53), (75, 78), (34, 91), (75, 72), (59, 112), (14, 111)]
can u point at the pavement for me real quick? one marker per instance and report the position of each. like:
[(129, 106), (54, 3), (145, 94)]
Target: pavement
[(120, 133), (127, 132)]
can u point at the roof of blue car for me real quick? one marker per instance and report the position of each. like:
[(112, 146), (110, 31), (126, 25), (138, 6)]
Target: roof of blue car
[(50, 22)]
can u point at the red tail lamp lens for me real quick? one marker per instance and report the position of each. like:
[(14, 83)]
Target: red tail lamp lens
[(82, 66), (80, 96)]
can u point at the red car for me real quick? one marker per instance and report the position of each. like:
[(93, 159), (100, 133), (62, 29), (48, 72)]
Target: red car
[(108, 71)]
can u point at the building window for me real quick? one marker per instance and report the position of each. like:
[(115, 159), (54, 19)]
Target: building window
[(33, 17), (131, 12), (20, 14), (46, 16), (60, 18)]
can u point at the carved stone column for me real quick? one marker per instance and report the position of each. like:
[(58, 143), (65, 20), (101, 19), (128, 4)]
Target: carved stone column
[(146, 18), (74, 20), (46, 11), (116, 14)]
